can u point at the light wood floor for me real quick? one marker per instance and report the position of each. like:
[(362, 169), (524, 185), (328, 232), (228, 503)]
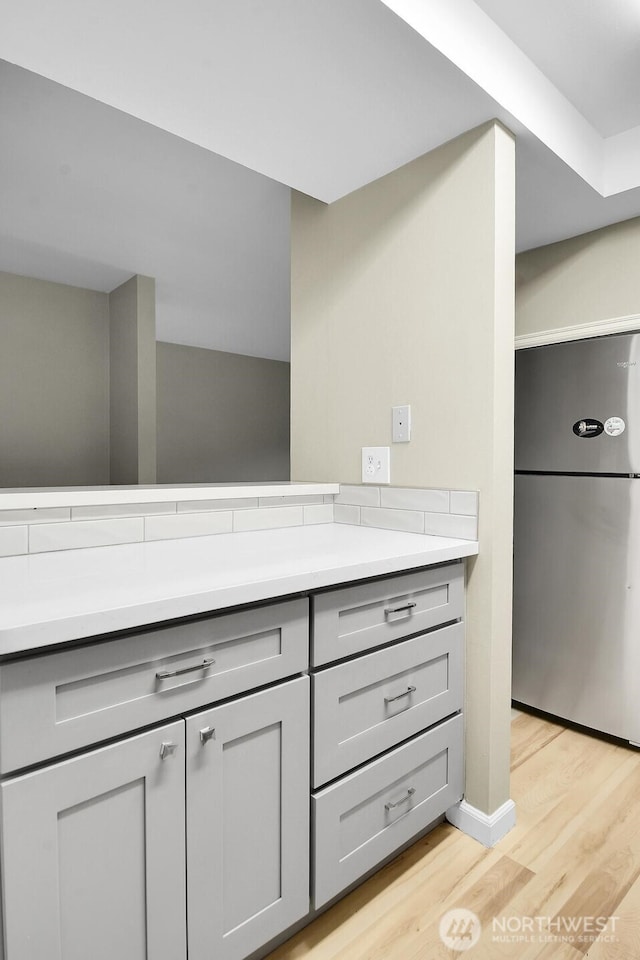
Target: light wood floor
[(575, 853)]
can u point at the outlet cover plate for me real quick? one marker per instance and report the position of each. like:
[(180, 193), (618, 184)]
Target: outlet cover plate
[(376, 464)]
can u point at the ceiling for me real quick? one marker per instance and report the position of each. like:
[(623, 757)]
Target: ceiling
[(166, 145), (589, 50)]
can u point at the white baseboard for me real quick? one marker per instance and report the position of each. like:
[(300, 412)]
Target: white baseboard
[(593, 328), (487, 828)]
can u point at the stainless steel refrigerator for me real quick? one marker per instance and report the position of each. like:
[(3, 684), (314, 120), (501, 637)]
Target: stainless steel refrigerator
[(576, 632)]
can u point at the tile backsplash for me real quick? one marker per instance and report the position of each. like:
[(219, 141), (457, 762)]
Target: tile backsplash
[(45, 537), (69, 528), (441, 513), (13, 540), (446, 513)]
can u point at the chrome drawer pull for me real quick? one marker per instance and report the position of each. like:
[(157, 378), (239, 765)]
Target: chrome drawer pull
[(165, 674), (410, 793), (209, 733), (406, 607), (167, 750), (407, 693)]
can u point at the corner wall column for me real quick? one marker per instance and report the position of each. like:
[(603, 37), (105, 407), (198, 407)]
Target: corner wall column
[(403, 292), (132, 348)]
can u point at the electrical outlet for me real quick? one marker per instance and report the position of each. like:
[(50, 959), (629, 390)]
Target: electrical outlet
[(376, 465)]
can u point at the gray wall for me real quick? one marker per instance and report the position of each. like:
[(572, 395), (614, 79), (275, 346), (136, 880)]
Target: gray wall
[(221, 416), (77, 395), (54, 384)]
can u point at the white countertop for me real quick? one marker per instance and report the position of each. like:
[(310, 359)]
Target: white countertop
[(56, 597), (24, 498)]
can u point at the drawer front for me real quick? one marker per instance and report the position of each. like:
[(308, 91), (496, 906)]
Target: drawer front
[(370, 704), (366, 816), (56, 703), (354, 619)]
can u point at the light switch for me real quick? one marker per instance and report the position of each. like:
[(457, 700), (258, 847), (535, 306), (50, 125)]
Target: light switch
[(401, 424)]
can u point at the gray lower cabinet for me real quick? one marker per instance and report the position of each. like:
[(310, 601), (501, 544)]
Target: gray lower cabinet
[(93, 854), (193, 838), (352, 620), (247, 821), (70, 699), (387, 679), (376, 701), (367, 815)]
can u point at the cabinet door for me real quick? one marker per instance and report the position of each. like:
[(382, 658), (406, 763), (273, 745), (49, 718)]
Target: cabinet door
[(247, 821), (93, 855)]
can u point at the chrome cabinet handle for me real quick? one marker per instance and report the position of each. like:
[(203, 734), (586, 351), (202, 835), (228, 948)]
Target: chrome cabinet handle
[(167, 749), (165, 674), (209, 733), (410, 793), (406, 607), (399, 696)]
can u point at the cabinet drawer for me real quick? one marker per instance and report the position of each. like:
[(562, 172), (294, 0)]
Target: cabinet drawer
[(353, 619), (62, 701), (370, 704), (363, 818)]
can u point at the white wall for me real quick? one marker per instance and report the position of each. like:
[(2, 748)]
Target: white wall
[(403, 292)]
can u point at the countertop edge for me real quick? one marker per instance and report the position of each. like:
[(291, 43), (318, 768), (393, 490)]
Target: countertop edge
[(36, 636), (37, 498)]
